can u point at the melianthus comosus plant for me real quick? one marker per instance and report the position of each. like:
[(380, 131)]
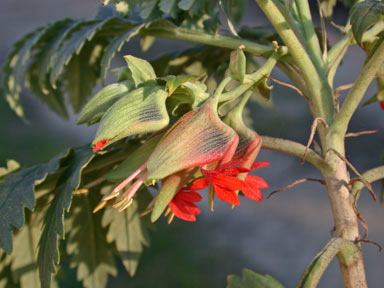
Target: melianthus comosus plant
[(177, 123)]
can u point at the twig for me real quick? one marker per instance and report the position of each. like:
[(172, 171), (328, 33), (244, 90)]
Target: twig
[(296, 183), (313, 131), (362, 133), (362, 222), (285, 84), (370, 242), (361, 178)]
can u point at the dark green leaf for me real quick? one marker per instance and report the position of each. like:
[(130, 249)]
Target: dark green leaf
[(364, 15), (129, 230), (48, 255), (53, 98), (252, 279), (185, 4), (12, 166), (17, 192), (75, 42), (81, 74), (115, 46), (150, 10), (24, 256), (91, 254), (13, 70)]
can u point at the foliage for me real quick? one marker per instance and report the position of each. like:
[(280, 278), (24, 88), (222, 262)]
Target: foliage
[(175, 123)]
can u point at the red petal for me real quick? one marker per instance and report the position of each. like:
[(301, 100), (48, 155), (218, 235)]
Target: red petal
[(256, 165), (186, 207), (236, 170), (232, 163), (227, 195), (227, 182), (181, 214), (189, 196), (198, 184), (100, 145), (256, 181), (252, 193), (382, 105)]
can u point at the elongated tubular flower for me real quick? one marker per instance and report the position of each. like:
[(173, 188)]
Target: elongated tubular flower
[(183, 204), (382, 105)]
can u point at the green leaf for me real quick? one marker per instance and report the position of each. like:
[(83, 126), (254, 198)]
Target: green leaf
[(327, 7), (364, 15), (173, 82), (252, 279), (129, 230), (146, 42), (185, 4), (91, 254), (115, 46), (134, 160), (233, 10), (82, 74), (142, 71), (150, 10), (12, 166), (48, 255), (53, 98), (74, 42), (17, 192), (237, 65), (24, 257), (105, 98), (141, 111), (169, 7), (13, 70)]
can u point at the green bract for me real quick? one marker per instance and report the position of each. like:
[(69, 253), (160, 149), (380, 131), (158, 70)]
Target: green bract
[(141, 111)]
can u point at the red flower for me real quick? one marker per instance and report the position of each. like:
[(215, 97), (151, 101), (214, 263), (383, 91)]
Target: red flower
[(382, 105), (182, 204), (225, 182), (100, 145)]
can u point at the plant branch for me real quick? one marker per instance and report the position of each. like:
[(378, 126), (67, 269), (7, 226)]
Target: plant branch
[(371, 175), (174, 32), (355, 95), (312, 42), (312, 275), (292, 148), (321, 94)]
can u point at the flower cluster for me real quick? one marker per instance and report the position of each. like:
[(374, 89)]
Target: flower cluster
[(201, 150)]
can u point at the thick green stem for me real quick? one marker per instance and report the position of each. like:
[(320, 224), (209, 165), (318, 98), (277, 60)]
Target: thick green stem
[(293, 148), (321, 95), (319, 264), (374, 60), (174, 32), (312, 42)]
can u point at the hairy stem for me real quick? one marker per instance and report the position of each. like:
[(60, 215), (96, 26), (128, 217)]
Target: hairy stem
[(374, 60), (320, 93), (174, 32), (293, 148)]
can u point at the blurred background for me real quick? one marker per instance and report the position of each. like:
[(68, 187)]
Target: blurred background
[(278, 236)]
